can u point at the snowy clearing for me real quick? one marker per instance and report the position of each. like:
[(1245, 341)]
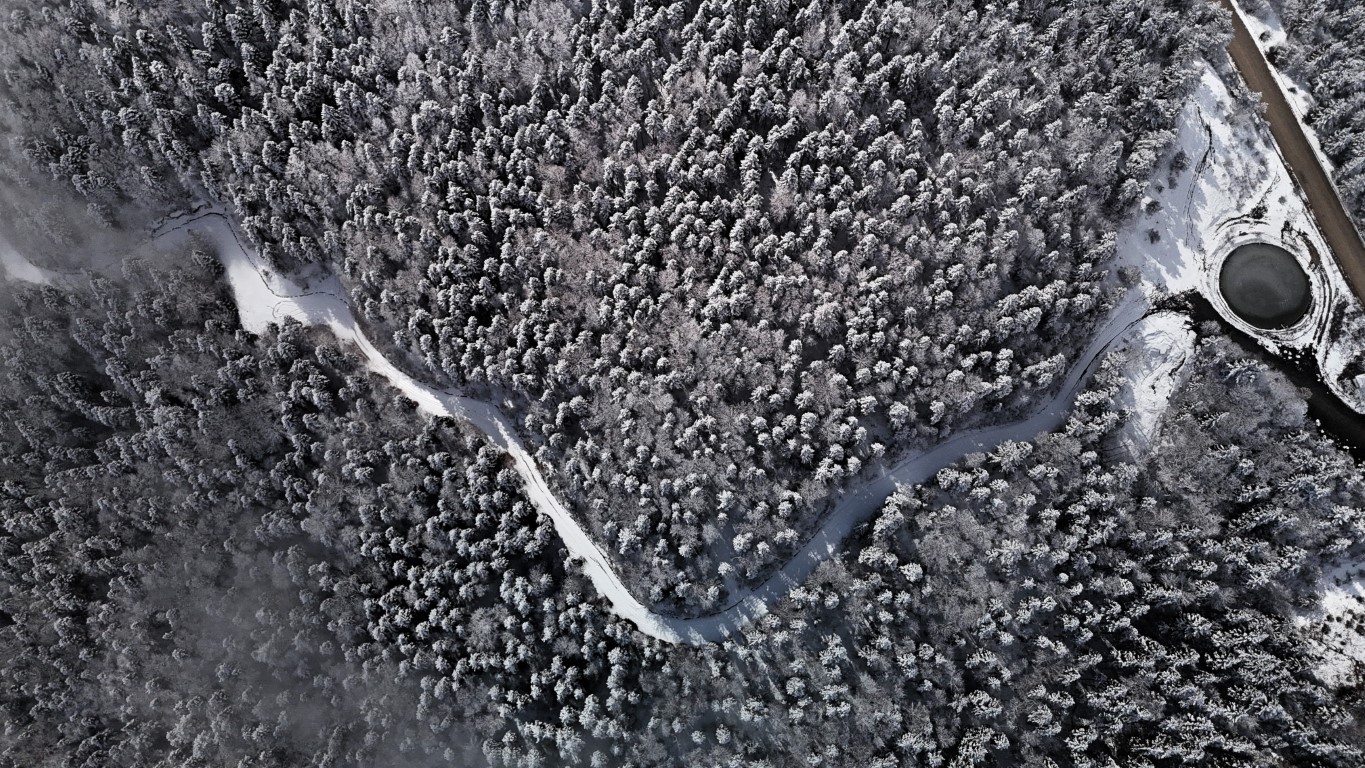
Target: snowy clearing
[(1233, 189), (1338, 627)]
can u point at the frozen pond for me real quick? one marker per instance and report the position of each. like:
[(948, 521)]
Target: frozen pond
[(1265, 286)]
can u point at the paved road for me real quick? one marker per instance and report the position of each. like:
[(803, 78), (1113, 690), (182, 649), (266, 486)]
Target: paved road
[(1323, 202)]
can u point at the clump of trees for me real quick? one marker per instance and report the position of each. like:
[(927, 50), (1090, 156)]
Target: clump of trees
[(177, 503), (1047, 605), (720, 258)]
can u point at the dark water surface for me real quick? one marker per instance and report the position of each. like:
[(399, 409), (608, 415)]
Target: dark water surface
[(1265, 286)]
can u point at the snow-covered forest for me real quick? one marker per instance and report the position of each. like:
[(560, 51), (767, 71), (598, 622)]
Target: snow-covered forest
[(223, 549), (721, 264), (722, 260), (1321, 48)]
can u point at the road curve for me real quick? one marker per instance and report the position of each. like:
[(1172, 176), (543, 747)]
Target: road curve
[(1297, 150), (263, 298)]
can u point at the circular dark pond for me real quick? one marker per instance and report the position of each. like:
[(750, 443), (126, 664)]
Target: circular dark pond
[(1265, 285)]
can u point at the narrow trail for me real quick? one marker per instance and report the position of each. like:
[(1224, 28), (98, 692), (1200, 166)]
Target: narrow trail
[(263, 299)]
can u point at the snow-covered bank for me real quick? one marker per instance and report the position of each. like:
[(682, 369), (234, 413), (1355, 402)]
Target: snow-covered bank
[(1158, 349), (1233, 188)]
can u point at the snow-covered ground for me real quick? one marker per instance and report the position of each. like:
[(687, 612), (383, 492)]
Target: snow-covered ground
[(1235, 188), (17, 267), (1158, 350), (263, 298), (1338, 627), (1230, 188)]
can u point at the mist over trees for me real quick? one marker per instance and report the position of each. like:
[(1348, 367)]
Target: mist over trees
[(184, 508), (718, 258)]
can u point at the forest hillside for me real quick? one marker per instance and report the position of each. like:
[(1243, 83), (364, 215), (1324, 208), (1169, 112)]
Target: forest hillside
[(721, 259)]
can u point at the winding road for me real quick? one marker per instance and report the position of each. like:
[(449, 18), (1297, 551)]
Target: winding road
[(263, 298)]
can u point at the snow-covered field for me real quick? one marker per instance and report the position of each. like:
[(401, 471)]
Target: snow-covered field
[(1234, 189)]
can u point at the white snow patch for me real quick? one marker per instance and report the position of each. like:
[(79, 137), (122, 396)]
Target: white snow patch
[(19, 268), (1159, 348), (1337, 629), (1236, 189), (1342, 350), (1233, 185), (1266, 28), (1173, 240)]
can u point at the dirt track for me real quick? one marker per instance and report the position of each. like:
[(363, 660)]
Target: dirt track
[(1310, 175)]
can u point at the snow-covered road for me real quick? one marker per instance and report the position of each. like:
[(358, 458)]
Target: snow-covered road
[(20, 268), (263, 298)]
